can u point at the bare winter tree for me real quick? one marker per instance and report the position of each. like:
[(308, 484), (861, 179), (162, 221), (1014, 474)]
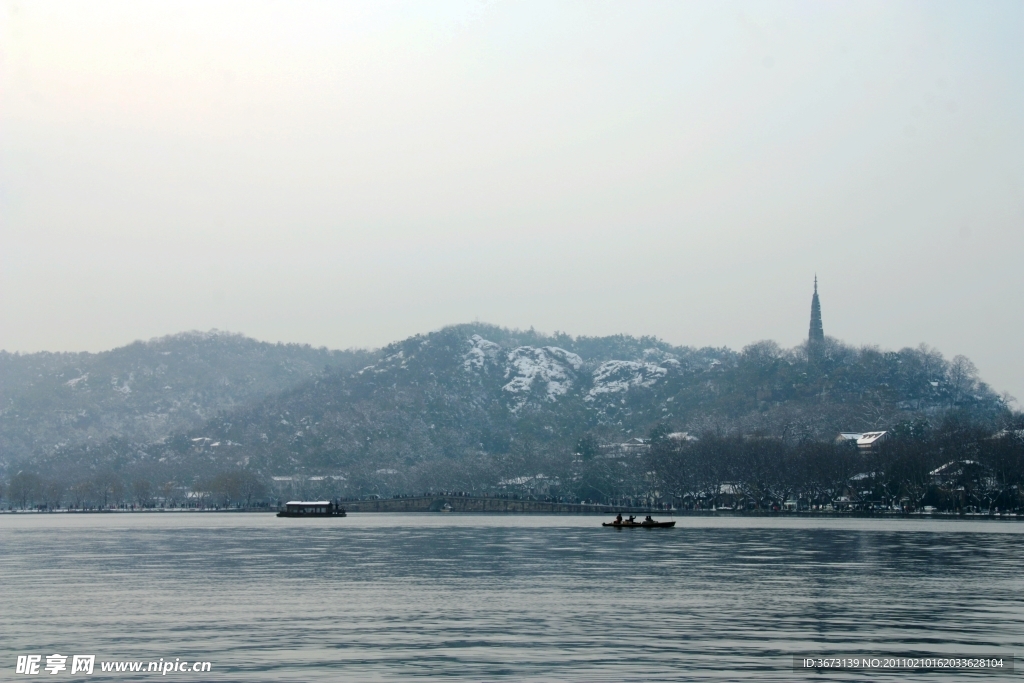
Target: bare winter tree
[(167, 492), (142, 491), (25, 488), (54, 491), (250, 487), (963, 378), (109, 488)]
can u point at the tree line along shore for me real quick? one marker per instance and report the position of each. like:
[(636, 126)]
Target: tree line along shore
[(958, 466)]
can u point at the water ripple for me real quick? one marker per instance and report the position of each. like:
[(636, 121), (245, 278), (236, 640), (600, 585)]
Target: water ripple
[(462, 597)]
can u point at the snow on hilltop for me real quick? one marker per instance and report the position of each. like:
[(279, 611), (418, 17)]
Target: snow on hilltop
[(620, 375), (556, 369), (549, 364), (481, 352)]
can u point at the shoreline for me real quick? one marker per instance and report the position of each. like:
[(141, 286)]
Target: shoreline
[(944, 516)]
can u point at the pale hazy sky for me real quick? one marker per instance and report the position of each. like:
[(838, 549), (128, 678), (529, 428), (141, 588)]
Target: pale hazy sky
[(348, 174)]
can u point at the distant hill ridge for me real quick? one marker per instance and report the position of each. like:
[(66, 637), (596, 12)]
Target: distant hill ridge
[(480, 401), (145, 390)]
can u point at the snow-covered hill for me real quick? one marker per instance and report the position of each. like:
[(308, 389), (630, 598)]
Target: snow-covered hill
[(476, 403), (144, 391)]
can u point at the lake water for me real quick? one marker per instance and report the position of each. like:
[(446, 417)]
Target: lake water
[(392, 597)]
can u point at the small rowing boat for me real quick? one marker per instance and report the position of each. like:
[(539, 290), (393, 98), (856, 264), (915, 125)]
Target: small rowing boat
[(639, 525)]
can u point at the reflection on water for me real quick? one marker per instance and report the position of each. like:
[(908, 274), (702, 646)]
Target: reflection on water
[(394, 597)]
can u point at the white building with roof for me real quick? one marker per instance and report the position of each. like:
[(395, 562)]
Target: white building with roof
[(864, 440)]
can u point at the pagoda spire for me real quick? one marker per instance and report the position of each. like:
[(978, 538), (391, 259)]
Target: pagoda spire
[(817, 332)]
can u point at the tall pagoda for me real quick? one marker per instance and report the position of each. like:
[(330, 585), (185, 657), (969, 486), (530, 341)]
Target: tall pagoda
[(817, 333)]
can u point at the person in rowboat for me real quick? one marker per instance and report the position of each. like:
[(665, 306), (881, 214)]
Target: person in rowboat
[(632, 519), (618, 518)]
